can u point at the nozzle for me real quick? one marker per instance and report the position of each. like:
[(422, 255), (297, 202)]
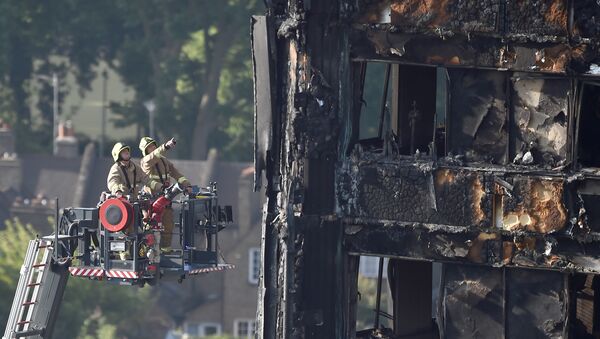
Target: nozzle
[(173, 190)]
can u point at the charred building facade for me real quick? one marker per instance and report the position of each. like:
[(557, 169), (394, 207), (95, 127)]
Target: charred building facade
[(483, 155)]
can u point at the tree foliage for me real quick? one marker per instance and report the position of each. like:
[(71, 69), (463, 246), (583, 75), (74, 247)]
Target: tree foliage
[(196, 66), (97, 327), (38, 38), (14, 240), (92, 309), (192, 58)]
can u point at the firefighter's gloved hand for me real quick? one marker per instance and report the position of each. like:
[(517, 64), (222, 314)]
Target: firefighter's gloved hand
[(119, 194), (171, 143)]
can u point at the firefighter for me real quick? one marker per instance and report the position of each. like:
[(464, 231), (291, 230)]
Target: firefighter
[(159, 168), (125, 177)]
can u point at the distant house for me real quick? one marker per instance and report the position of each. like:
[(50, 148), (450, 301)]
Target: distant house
[(215, 303)]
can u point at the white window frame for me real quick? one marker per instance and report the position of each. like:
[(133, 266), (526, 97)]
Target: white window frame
[(251, 323), (253, 266)]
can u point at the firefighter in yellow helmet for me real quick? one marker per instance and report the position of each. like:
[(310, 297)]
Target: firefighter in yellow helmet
[(125, 177), (159, 168)]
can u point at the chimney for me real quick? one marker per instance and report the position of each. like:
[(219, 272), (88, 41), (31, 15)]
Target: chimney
[(66, 143)]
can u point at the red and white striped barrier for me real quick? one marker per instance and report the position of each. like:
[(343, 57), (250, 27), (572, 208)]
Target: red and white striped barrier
[(221, 267), (122, 274), (86, 272), (92, 272)]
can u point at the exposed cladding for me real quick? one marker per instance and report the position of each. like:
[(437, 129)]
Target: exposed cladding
[(452, 196), (541, 17), (544, 17), (420, 194), (480, 16), (479, 51), (535, 205), (552, 36)]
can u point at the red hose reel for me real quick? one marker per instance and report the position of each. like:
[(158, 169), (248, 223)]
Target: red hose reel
[(116, 214)]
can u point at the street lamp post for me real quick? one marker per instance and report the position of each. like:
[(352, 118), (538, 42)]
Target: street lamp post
[(150, 106), (104, 89), (54, 111)]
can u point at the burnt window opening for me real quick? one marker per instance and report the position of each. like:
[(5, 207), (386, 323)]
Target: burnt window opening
[(374, 75), (477, 127), (477, 115), (403, 107), (367, 285), (414, 108), (407, 303), (589, 195), (588, 152)]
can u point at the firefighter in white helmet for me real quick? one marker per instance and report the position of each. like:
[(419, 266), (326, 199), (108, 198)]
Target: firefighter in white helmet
[(159, 168), (125, 177)]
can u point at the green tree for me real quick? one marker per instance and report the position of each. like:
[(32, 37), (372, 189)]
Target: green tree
[(40, 38), (14, 240), (191, 57), (91, 308), (227, 49), (97, 327), (90, 305)]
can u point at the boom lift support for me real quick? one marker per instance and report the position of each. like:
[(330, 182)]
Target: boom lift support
[(118, 242)]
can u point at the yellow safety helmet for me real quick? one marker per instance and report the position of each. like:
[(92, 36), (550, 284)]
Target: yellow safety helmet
[(117, 148), (144, 143)]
